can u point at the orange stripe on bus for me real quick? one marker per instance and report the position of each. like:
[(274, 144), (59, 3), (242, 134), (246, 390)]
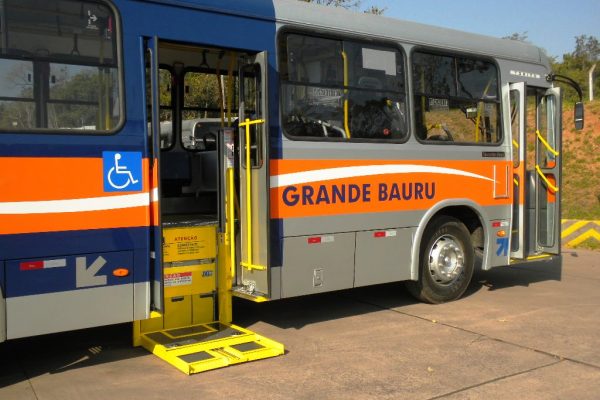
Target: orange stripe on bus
[(57, 222), (55, 178), (154, 205), (442, 187)]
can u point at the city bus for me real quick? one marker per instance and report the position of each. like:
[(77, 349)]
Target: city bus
[(286, 148)]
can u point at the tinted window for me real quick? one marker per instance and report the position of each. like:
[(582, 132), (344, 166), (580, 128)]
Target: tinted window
[(342, 90), (58, 66), (456, 99)]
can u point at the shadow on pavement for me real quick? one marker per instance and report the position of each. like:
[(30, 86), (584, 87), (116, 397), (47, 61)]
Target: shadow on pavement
[(22, 359), (301, 311), (51, 354), (518, 275)]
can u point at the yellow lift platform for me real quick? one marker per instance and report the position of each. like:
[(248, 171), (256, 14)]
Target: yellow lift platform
[(192, 333)]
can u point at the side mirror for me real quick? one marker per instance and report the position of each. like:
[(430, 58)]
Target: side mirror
[(578, 116)]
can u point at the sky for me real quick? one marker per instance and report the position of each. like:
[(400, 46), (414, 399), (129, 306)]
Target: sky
[(547, 25)]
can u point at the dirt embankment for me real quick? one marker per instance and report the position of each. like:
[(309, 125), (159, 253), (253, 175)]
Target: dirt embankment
[(581, 165)]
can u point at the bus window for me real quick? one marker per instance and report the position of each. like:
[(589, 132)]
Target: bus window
[(17, 106), (59, 67), (342, 90), (165, 87), (201, 96), (456, 99)]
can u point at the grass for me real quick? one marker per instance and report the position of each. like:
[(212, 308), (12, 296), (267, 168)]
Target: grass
[(589, 244), (581, 165)]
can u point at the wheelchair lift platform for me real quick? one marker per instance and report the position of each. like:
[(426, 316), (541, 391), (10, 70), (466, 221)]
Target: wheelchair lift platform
[(204, 347), (197, 290)]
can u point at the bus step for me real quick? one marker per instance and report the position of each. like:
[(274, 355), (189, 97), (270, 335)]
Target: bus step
[(204, 347), (532, 258)]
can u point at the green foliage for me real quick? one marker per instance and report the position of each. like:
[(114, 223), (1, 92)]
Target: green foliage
[(577, 64)]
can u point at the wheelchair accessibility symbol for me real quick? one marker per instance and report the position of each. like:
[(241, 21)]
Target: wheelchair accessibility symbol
[(122, 171)]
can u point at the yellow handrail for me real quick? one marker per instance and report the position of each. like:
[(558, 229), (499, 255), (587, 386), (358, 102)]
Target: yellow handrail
[(248, 263), (231, 218), (541, 139), (545, 179), (346, 116), (479, 108)]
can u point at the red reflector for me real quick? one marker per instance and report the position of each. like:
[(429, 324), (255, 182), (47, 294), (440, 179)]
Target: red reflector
[(379, 234), (31, 265), (496, 224), (314, 240)]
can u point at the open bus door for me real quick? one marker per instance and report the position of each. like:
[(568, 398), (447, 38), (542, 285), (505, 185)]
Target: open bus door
[(155, 240), (186, 333), (253, 272), (536, 123)]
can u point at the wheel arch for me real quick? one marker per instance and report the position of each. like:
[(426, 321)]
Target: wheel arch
[(468, 212)]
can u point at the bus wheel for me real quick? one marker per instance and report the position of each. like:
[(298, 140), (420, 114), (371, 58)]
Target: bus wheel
[(446, 262)]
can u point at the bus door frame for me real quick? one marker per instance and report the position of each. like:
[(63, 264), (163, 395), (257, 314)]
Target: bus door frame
[(546, 174), (518, 224), (155, 239), (253, 270)]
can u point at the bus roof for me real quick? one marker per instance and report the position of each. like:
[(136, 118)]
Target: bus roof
[(338, 19), (261, 9), (318, 17)]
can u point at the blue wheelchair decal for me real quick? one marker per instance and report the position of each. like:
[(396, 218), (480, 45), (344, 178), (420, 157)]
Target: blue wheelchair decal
[(122, 171)]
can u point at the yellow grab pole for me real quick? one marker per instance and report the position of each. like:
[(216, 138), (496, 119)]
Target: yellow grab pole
[(248, 196), (546, 144), (545, 179), (231, 219), (346, 116), (248, 263)]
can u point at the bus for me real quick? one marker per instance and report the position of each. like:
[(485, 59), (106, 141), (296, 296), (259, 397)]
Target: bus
[(158, 157)]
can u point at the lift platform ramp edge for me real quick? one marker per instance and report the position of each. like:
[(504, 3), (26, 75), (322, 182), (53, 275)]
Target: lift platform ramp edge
[(191, 333)]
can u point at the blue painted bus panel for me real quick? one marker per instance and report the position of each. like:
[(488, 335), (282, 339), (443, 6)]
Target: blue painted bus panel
[(66, 273), (35, 245)]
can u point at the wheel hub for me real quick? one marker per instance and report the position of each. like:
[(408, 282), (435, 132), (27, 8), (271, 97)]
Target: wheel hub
[(446, 260)]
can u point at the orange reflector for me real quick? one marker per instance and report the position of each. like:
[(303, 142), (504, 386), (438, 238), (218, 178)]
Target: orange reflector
[(121, 272), (501, 233)]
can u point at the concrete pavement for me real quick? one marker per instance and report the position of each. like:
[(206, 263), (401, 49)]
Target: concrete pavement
[(520, 332)]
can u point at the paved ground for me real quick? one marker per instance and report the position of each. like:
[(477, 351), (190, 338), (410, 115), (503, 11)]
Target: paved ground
[(525, 332)]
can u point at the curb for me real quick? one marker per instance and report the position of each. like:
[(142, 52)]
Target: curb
[(574, 232)]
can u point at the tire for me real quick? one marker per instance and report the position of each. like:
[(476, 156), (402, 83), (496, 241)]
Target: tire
[(446, 262)]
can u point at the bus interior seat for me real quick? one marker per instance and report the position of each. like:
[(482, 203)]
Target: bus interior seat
[(175, 172), (204, 166), (369, 82)]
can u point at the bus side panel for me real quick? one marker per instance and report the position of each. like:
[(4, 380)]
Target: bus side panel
[(141, 284), (2, 304), (382, 256), (64, 311), (61, 293), (316, 264)]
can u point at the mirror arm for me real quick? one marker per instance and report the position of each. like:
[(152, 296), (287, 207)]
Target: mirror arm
[(565, 79)]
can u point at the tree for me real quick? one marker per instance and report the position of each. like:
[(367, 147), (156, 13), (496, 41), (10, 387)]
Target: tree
[(521, 37), (349, 5), (587, 48), (577, 64), (375, 10)]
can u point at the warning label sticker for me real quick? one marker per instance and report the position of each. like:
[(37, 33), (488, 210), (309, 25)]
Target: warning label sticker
[(178, 279)]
